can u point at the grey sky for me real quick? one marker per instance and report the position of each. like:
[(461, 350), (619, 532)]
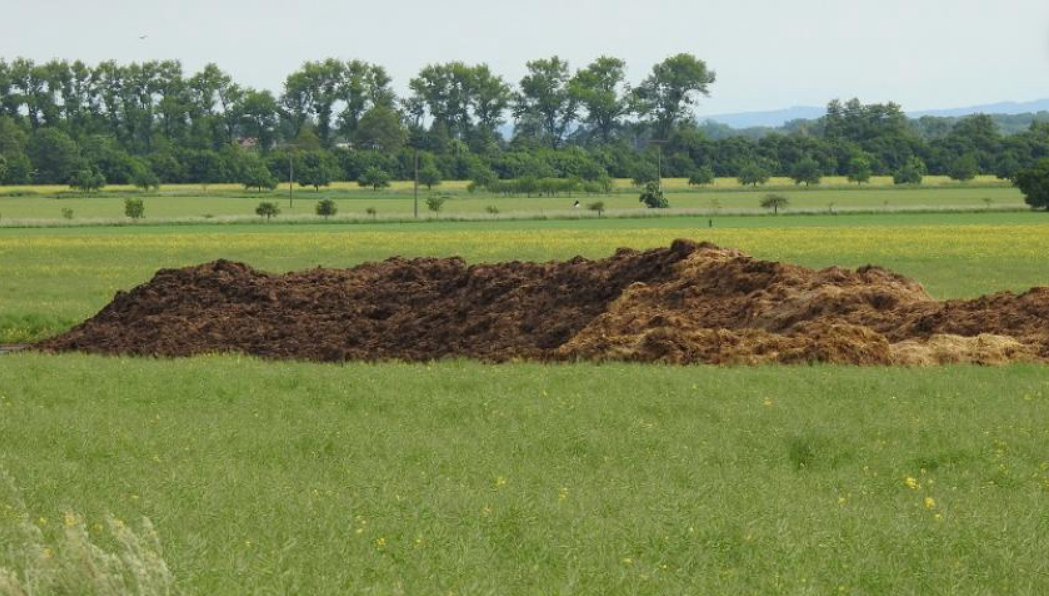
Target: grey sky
[(768, 54)]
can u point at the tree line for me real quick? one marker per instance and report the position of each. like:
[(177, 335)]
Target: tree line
[(146, 123)]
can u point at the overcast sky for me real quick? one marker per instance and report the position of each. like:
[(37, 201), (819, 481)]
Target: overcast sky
[(767, 54)]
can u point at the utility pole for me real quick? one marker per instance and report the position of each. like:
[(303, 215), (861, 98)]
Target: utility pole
[(416, 184), (659, 167), (659, 161), (291, 178)]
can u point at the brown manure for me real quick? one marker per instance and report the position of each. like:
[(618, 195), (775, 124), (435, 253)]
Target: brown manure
[(689, 303)]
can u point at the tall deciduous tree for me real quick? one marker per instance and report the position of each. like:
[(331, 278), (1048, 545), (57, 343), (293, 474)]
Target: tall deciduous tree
[(258, 111), (463, 102), (364, 87), (668, 94), (603, 95), (545, 106), (380, 128)]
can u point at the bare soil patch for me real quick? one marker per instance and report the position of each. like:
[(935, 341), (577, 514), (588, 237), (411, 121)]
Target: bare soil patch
[(689, 303)]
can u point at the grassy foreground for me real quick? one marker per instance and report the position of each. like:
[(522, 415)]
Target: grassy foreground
[(459, 478)]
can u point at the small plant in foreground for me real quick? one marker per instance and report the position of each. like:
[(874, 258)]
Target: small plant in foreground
[(74, 562), (134, 208), (267, 209)]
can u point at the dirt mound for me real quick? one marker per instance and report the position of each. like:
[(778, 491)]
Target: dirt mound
[(691, 302)]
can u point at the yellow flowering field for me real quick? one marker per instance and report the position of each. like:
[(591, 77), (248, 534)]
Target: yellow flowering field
[(51, 282)]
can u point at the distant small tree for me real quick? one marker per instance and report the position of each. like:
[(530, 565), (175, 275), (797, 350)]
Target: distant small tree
[(491, 210), (267, 209), (1034, 183), (371, 211), (753, 175), (67, 213), (987, 201), (775, 202), (88, 180), (374, 177), (911, 172), (598, 206), (256, 175), (134, 208), (326, 208), (701, 176), (806, 171), (859, 170), (144, 179), (653, 197), (430, 177), (435, 203), (481, 177), (316, 169), (963, 168), (644, 173)]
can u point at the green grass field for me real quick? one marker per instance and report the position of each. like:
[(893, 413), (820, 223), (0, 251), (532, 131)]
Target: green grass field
[(462, 478), (223, 201)]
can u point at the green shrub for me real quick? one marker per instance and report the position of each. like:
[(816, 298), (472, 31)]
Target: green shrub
[(775, 202), (653, 197), (435, 203), (326, 208), (267, 209), (134, 208)]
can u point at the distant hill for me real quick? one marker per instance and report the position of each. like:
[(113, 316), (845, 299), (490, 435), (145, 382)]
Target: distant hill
[(1005, 107), (770, 119), (777, 118)]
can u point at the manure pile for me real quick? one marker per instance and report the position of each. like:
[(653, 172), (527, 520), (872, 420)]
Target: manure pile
[(689, 303)]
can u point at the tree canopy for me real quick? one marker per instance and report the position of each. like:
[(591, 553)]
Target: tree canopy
[(152, 122), (1034, 183)]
